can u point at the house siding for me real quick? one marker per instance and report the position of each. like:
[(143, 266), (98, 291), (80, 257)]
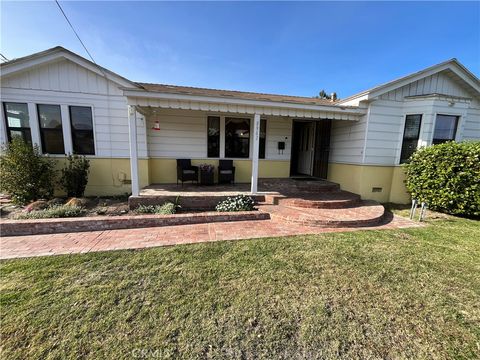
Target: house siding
[(386, 118), (440, 83), (183, 133), (347, 141), (66, 83)]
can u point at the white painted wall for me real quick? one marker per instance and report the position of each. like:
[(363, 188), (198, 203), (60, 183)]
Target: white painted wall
[(183, 133), (347, 141), (386, 116), (66, 83)]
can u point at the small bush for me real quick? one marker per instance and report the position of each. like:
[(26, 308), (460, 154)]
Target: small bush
[(26, 175), (447, 177), (56, 211), (166, 209), (75, 175), (236, 203)]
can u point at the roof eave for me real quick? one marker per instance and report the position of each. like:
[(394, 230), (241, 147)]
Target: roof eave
[(452, 64), (24, 63), (138, 93)]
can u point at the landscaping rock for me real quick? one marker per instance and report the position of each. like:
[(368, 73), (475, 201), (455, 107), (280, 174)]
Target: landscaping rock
[(80, 202), (118, 210), (55, 201), (36, 205)]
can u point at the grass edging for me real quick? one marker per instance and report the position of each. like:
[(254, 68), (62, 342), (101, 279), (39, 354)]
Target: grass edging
[(99, 223)]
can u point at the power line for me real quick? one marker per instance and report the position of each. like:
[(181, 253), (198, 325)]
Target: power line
[(3, 57), (75, 32)]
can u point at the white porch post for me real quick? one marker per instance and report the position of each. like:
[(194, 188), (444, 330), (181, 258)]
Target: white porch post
[(132, 130), (256, 146)]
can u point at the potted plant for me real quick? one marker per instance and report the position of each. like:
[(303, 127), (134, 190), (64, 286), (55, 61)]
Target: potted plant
[(206, 174)]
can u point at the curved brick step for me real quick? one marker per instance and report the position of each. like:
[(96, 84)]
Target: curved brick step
[(367, 213), (327, 200)]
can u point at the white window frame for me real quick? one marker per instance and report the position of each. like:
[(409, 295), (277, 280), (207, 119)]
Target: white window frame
[(402, 132), (222, 135), (458, 130), (66, 126)]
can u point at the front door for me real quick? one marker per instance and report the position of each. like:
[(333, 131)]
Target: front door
[(303, 147)]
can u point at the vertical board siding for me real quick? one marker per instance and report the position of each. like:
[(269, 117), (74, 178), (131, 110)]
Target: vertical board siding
[(439, 83), (62, 75)]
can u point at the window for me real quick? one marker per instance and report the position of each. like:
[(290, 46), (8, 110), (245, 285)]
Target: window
[(410, 136), (263, 137), (213, 136), (82, 130), (17, 121), (445, 128), (237, 138), (50, 119)]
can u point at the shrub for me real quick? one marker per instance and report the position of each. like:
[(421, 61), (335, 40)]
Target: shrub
[(75, 175), (447, 177), (56, 211), (236, 203), (166, 209), (26, 175)]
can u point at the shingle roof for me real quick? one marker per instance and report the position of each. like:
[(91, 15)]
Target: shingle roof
[(187, 90)]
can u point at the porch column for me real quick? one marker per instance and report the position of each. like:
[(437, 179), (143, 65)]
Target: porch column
[(132, 131), (256, 146)]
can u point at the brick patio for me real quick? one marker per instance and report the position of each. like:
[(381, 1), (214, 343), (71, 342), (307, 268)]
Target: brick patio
[(93, 241), (286, 207)]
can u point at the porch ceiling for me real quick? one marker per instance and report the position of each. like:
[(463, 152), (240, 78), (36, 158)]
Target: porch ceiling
[(146, 102)]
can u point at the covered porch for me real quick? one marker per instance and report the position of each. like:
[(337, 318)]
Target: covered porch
[(165, 126)]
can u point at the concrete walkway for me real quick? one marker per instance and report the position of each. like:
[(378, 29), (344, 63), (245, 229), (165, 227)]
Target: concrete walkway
[(83, 242)]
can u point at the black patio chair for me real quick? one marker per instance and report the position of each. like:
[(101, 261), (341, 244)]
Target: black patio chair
[(186, 171), (226, 172)]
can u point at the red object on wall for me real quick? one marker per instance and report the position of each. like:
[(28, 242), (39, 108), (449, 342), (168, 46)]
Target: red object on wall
[(156, 126)]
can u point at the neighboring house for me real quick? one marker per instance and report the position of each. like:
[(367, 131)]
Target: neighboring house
[(66, 104)]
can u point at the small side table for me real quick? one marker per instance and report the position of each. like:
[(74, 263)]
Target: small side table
[(206, 177)]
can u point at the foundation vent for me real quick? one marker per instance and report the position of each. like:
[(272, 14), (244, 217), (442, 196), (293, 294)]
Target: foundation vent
[(377, 189)]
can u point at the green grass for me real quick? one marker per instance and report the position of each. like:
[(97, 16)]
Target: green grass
[(411, 293)]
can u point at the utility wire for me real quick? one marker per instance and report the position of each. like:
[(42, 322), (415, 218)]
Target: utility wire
[(3, 57), (78, 37)]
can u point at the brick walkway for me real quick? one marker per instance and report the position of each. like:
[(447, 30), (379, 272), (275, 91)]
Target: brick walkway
[(83, 242)]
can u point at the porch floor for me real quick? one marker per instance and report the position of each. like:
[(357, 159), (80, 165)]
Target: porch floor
[(265, 187)]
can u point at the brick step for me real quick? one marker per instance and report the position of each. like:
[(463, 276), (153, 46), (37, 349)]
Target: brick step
[(291, 186), (324, 200), (366, 213)]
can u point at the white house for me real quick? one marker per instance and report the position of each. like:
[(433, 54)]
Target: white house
[(134, 132)]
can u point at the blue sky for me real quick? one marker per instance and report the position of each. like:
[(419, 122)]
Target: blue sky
[(276, 47)]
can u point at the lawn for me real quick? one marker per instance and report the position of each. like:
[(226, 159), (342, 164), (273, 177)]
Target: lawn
[(411, 293)]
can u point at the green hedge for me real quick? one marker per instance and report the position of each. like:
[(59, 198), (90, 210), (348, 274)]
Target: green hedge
[(25, 174), (447, 177)]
